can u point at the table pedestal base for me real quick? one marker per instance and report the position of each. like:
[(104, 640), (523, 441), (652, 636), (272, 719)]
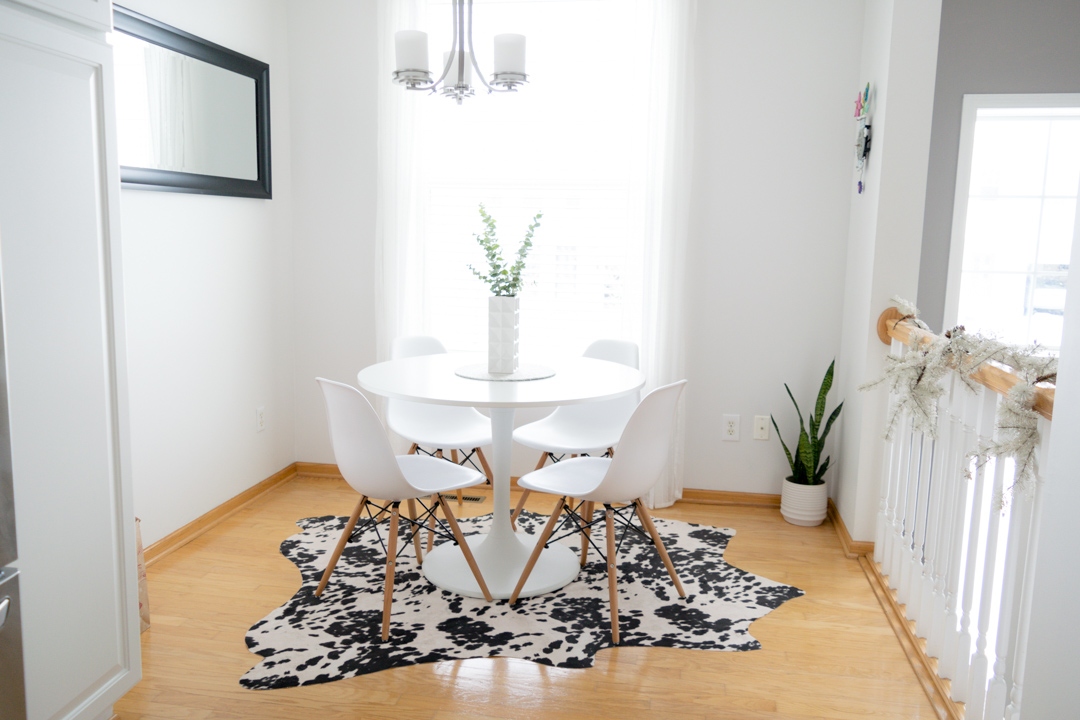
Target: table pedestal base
[(501, 564)]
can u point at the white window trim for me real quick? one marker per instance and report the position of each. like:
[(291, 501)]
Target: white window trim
[(972, 105)]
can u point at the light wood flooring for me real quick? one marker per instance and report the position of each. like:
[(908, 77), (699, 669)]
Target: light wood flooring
[(830, 654)]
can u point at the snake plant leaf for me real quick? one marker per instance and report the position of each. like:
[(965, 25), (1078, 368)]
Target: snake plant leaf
[(821, 472), (819, 407), (787, 452), (795, 404), (832, 419), (805, 451)]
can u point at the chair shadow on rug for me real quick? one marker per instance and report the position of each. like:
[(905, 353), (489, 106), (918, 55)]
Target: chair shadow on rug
[(308, 640)]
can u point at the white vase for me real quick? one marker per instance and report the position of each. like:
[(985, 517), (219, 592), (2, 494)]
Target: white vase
[(804, 504), (503, 334)]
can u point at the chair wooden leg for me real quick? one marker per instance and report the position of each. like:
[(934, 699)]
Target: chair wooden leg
[(646, 520), (613, 590), (388, 586), (611, 452), (431, 521), (587, 517), (484, 464), (517, 510), (465, 550), (548, 529), (460, 497), (415, 531), (412, 450), (341, 545), (525, 495)]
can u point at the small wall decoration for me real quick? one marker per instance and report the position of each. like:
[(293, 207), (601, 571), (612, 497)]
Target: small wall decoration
[(862, 136)]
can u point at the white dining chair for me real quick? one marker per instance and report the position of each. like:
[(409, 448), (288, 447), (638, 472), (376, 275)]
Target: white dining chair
[(582, 429), (437, 427), (367, 462), (622, 480)]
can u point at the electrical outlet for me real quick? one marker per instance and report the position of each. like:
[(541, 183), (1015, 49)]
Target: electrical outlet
[(730, 429), (761, 427), (260, 419)]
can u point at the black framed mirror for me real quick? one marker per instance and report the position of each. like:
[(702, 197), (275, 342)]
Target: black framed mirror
[(192, 116)]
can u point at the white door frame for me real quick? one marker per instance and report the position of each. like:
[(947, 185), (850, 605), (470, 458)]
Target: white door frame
[(972, 105)]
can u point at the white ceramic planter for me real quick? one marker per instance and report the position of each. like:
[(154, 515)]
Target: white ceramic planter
[(804, 504), (503, 334)]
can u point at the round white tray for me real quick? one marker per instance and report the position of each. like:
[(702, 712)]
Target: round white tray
[(524, 372)]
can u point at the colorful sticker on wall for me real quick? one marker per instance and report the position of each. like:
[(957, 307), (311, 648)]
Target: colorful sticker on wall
[(862, 136)]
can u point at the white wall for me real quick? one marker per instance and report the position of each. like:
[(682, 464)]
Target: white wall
[(333, 55), (772, 179), (900, 52), (1050, 687), (209, 306), (1009, 46)]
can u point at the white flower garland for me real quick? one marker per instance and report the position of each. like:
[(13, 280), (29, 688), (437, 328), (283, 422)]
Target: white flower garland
[(916, 381)]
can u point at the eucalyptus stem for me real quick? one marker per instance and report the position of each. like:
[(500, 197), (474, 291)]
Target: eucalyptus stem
[(503, 279)]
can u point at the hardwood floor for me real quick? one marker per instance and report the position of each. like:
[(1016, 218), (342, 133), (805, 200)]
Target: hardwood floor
[(830, 654)]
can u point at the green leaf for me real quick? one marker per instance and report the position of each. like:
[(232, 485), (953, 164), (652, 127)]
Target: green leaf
[(832, 419), (820, 473), (795, 404), (787, 452), (826, 384)]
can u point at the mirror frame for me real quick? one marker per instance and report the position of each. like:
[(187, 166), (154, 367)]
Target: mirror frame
[(158, 33)]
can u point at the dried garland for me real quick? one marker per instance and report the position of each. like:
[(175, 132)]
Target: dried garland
[(916, 381)]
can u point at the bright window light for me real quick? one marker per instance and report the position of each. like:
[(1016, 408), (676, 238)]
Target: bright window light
[(563, 145), (1020, 222)]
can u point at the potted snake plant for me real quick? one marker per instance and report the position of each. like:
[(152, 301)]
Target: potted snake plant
[(804, 499)]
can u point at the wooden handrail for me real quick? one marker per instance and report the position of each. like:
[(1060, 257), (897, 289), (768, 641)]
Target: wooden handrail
[(892, 325)]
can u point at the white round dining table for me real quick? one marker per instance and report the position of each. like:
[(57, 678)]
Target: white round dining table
[(501, 553)]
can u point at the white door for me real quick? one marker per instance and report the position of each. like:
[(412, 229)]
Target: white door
[(60, 273)]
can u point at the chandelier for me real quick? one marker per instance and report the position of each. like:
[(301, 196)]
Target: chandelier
[(411, 48)]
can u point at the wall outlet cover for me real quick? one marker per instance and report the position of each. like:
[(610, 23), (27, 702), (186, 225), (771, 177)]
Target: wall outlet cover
[(729, 429)]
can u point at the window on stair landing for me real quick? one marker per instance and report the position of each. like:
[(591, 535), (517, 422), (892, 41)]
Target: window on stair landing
[(1015, 216)]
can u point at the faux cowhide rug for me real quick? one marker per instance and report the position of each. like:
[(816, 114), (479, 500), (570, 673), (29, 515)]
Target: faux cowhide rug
[(309, 640)]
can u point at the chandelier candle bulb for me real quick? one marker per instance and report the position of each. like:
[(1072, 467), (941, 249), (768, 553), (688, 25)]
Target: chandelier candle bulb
[(452, 77), (411, 50), (510, 53)]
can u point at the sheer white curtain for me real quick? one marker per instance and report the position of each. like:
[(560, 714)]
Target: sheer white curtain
[(606, 160)]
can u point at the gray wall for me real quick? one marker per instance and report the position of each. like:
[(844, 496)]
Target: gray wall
[(986, 46)]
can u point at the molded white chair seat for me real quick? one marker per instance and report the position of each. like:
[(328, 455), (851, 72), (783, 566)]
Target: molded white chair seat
[(587, 430), (368, 464), (578, 478), (626, 478), (584, 428), (428, 475), (439, 427)]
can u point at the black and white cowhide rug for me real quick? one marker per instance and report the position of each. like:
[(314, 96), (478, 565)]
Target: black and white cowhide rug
[(309, 640)]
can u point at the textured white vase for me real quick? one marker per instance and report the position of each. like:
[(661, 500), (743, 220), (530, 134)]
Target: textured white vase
[(502, 334), (804, 504)]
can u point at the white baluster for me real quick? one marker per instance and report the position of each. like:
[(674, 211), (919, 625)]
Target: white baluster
[(1011, 587), (945, 482), (961, 685), (903, 485), (916, 560), (888, 480), (1012, 712), (964, 428), (980, 662)]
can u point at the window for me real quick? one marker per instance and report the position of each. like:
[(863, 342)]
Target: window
[(1015, 216), (564, 145)]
